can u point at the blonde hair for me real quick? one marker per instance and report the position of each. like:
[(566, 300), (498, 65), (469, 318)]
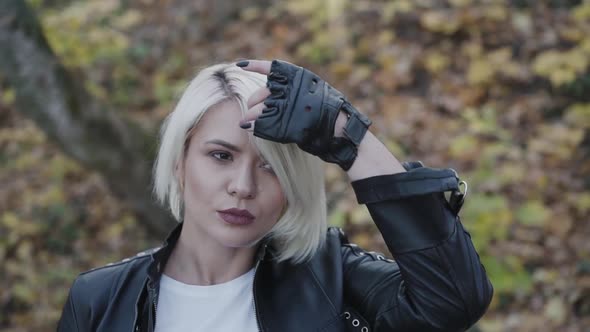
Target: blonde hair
[(300, 231)]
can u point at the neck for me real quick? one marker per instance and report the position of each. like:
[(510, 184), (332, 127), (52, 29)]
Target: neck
[(199, 260)]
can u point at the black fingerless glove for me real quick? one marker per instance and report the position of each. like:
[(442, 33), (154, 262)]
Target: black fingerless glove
[(303, 109)]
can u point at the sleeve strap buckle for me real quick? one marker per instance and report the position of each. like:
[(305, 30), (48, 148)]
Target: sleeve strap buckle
[(458, 197)]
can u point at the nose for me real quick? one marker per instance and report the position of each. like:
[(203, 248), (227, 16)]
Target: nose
[(243, 184)]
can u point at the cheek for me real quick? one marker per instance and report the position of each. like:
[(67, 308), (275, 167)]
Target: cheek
[(199, 185), (276, 199)]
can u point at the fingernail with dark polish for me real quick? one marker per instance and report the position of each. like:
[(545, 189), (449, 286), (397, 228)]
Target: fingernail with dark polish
[(243, 63), (245, 125)]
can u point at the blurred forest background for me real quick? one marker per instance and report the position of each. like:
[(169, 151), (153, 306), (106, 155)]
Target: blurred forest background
[(497, 89)]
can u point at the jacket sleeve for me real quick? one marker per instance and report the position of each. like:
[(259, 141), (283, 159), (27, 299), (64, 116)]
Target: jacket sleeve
[(436, 282)]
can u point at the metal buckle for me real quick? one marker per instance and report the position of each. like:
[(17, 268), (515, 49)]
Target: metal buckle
[(458, 198)]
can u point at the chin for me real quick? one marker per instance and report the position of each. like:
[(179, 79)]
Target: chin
[(239, 239)]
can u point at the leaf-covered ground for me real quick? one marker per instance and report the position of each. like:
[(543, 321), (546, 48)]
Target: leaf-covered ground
[(498, 90)]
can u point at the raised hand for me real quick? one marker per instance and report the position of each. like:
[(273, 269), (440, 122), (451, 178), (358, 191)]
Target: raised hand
[(297, 106)]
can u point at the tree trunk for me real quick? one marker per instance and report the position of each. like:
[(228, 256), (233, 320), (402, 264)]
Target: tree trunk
[(85, 130)]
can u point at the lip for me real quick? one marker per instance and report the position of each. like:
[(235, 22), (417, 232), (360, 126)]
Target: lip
[(238, 212), (236, 216)]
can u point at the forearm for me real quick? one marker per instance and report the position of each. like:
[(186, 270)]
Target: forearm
[(373, 157)]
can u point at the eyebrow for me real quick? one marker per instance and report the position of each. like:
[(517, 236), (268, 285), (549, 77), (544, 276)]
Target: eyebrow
[(224, 144)]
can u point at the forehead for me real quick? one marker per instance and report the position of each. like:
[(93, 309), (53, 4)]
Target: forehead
[(221, 122)]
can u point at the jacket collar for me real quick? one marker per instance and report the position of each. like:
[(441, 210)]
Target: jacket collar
[(160, 255)]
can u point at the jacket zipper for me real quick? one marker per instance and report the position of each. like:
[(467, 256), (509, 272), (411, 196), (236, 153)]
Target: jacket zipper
[(260, 257), (154, 302), (258, 323), (137, 317), (155, 309)]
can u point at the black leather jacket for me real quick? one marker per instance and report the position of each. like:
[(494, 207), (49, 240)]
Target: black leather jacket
[(436, 282)]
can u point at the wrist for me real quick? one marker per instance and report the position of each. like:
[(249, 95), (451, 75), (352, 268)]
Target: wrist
[(340, 124), (373, 159)]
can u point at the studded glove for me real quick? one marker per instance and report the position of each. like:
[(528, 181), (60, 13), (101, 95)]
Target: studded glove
[(302, 108)]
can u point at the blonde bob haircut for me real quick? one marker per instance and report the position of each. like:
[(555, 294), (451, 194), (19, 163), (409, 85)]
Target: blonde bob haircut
[(301, 230)]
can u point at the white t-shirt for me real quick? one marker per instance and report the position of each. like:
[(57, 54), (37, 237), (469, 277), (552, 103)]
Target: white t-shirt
[(190, 308)]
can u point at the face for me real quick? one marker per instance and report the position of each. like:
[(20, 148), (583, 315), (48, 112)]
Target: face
[(223, 170)]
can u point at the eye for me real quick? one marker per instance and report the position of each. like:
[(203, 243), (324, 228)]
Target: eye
[(267, 167), (220, 155)]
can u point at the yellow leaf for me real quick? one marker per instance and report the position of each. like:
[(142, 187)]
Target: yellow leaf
[(533, 213), (582, 12), (492, 324), (576, 60), (129, 220), (497, 13), (360, 215), (8, 96), (394, 148), (480, 71), (500, 56), (436, 62), (391, 8), (561, 67), (545, 275), (361, 73), (10, 220), (113, 231), (26, 161), (337, 218), (362, 239), (302, 7), (462, 146), (460, 3), (578, 115), (385, 38), (128, 19), (584, 46), (386, 61), (405, 6), (546, 62), (24, 250), (562, 76), (24, 292), (437, 21), (53, 195), (510, 174), (572, 34), (580, 202), (472, 49), (59, 166), (250, 14)]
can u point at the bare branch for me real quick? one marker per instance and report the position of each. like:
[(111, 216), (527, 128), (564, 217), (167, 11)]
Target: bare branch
[(84, 129)]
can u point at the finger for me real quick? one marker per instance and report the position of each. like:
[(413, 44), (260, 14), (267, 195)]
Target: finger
[(248, 126), (258, 96), (253, 113), (259, 66)]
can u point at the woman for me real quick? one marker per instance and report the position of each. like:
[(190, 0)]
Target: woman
[(252, 251)]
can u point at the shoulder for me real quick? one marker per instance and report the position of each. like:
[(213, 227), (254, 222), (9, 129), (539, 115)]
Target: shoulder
[(103, 280), (116, 268), (350, 250), (93, 291)]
